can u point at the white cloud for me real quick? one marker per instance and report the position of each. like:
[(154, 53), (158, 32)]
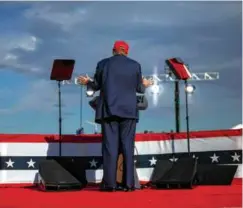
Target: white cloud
[(231, 65), (38, 97), (24, 41), (86, 31), (64, 19), (10, 56), (42, 95), (11, 45), (86, 15), (28, 44)]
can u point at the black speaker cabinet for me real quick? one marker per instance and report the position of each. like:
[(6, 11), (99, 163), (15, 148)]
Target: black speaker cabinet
[(212, 174), (54, 175), (161, 168), (180, 174)]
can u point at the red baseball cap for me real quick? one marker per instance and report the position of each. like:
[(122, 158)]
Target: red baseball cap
[(120, 44)]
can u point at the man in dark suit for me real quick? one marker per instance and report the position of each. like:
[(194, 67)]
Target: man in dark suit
[(118, 78)]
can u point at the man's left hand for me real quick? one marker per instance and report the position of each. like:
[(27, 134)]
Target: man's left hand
[(147, 82), (83, 80)]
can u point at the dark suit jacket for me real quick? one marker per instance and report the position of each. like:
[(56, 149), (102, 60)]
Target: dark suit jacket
[(118, 78)]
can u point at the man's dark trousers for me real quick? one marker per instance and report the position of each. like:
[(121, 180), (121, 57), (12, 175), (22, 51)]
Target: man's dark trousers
[(118, 79), (118, 131)]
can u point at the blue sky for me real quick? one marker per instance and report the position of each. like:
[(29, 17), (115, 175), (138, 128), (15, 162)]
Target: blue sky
[(206, 35)]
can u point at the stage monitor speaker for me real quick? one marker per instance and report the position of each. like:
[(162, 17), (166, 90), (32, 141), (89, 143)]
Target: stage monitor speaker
[(161, 168), (75, 166), (181, 175), (215, 174), (53, 176)]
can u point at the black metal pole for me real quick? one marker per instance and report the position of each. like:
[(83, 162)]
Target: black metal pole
[(172, 143), (60, 118), (177, 106), (81, 107), (187, 120)]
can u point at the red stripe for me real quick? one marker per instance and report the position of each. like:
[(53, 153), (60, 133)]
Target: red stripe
[(212, 134), (236, 181), (89, 138)]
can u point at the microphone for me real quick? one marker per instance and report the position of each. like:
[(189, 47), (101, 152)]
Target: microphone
[(142, 102)]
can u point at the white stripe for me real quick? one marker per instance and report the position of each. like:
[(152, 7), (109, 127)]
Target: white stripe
[(19, 176), (187, 70), (4, 151), (143, 148), (30, 176), (29, 149), (52, 149), (196, 145), (94, 176)]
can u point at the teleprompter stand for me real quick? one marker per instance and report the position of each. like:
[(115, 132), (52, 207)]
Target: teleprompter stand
[(187, 120), (62, 69)]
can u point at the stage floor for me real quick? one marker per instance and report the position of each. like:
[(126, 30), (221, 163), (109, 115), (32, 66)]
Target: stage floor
[(90, 197)]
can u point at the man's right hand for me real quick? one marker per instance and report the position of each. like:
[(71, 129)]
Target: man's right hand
[(147, 82), (83, 80)]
